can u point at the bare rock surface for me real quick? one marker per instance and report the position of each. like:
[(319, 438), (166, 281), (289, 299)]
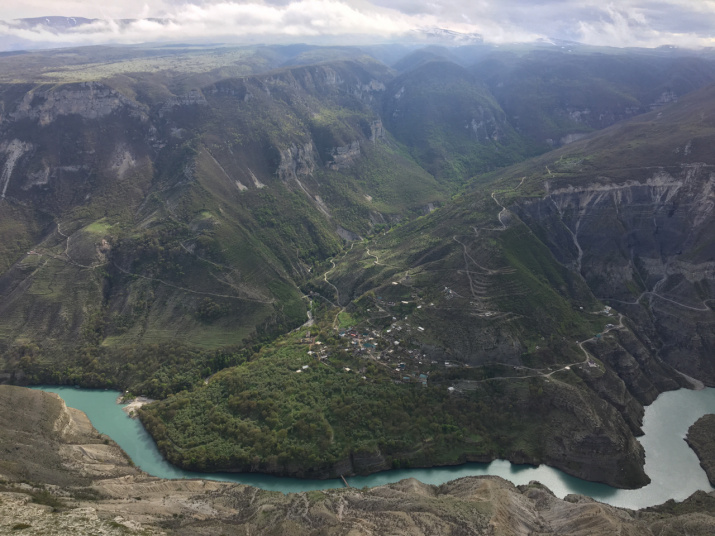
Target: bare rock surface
[(701, 438)]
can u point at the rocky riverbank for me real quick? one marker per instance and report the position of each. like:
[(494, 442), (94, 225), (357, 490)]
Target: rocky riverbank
[(134, 404), (701, 438)]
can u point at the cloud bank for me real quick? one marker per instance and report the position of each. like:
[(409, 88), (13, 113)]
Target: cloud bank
[(646, 23)]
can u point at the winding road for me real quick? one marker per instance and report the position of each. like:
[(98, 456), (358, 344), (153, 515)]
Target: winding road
[(654, 293), (544, 374)]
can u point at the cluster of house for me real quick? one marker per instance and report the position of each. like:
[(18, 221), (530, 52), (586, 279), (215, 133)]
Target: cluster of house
[(320, 351), (386, 348), (411, 377), (360, 341), (387, 345)]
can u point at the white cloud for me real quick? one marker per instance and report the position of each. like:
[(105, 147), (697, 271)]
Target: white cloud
[(629, 26), (307, 18), (625, 23)]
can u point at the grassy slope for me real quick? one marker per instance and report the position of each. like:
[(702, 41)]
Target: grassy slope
[(189, 258)]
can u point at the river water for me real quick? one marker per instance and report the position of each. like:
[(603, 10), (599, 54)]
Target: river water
[(672, 466)]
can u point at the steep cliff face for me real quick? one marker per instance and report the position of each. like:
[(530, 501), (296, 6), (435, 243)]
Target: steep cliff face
[(89, 100), (700, 438), (62, 146), (343, 156), (633, 379), (644, 247), (193, 97), (296, 162), (631, 212)]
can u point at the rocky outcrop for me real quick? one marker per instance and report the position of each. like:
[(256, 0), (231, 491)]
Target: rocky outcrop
[(44, 441), (297, 161), (193, 97), (377, 131), (570, 138), (590, 439), (664, 98), (90, 100), (346, 235), (13, 151), (122, 161), (62, 145), (365, 81), (20, 514), (631, 379), (343, 157), (486, 126), (475, 506), (701, 438)]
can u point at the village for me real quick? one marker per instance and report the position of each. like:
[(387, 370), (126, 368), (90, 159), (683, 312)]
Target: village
[(390, 346), (383, 348)]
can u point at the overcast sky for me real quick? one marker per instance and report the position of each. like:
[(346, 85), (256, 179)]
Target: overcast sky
[(687, 23)]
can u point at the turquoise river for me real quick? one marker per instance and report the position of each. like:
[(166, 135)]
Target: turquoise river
[(670, 463)]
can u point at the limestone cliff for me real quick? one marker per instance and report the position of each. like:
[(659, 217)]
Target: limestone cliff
[(90, 100)]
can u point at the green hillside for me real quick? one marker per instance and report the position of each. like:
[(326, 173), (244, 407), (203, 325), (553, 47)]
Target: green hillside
[(198, 225)]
